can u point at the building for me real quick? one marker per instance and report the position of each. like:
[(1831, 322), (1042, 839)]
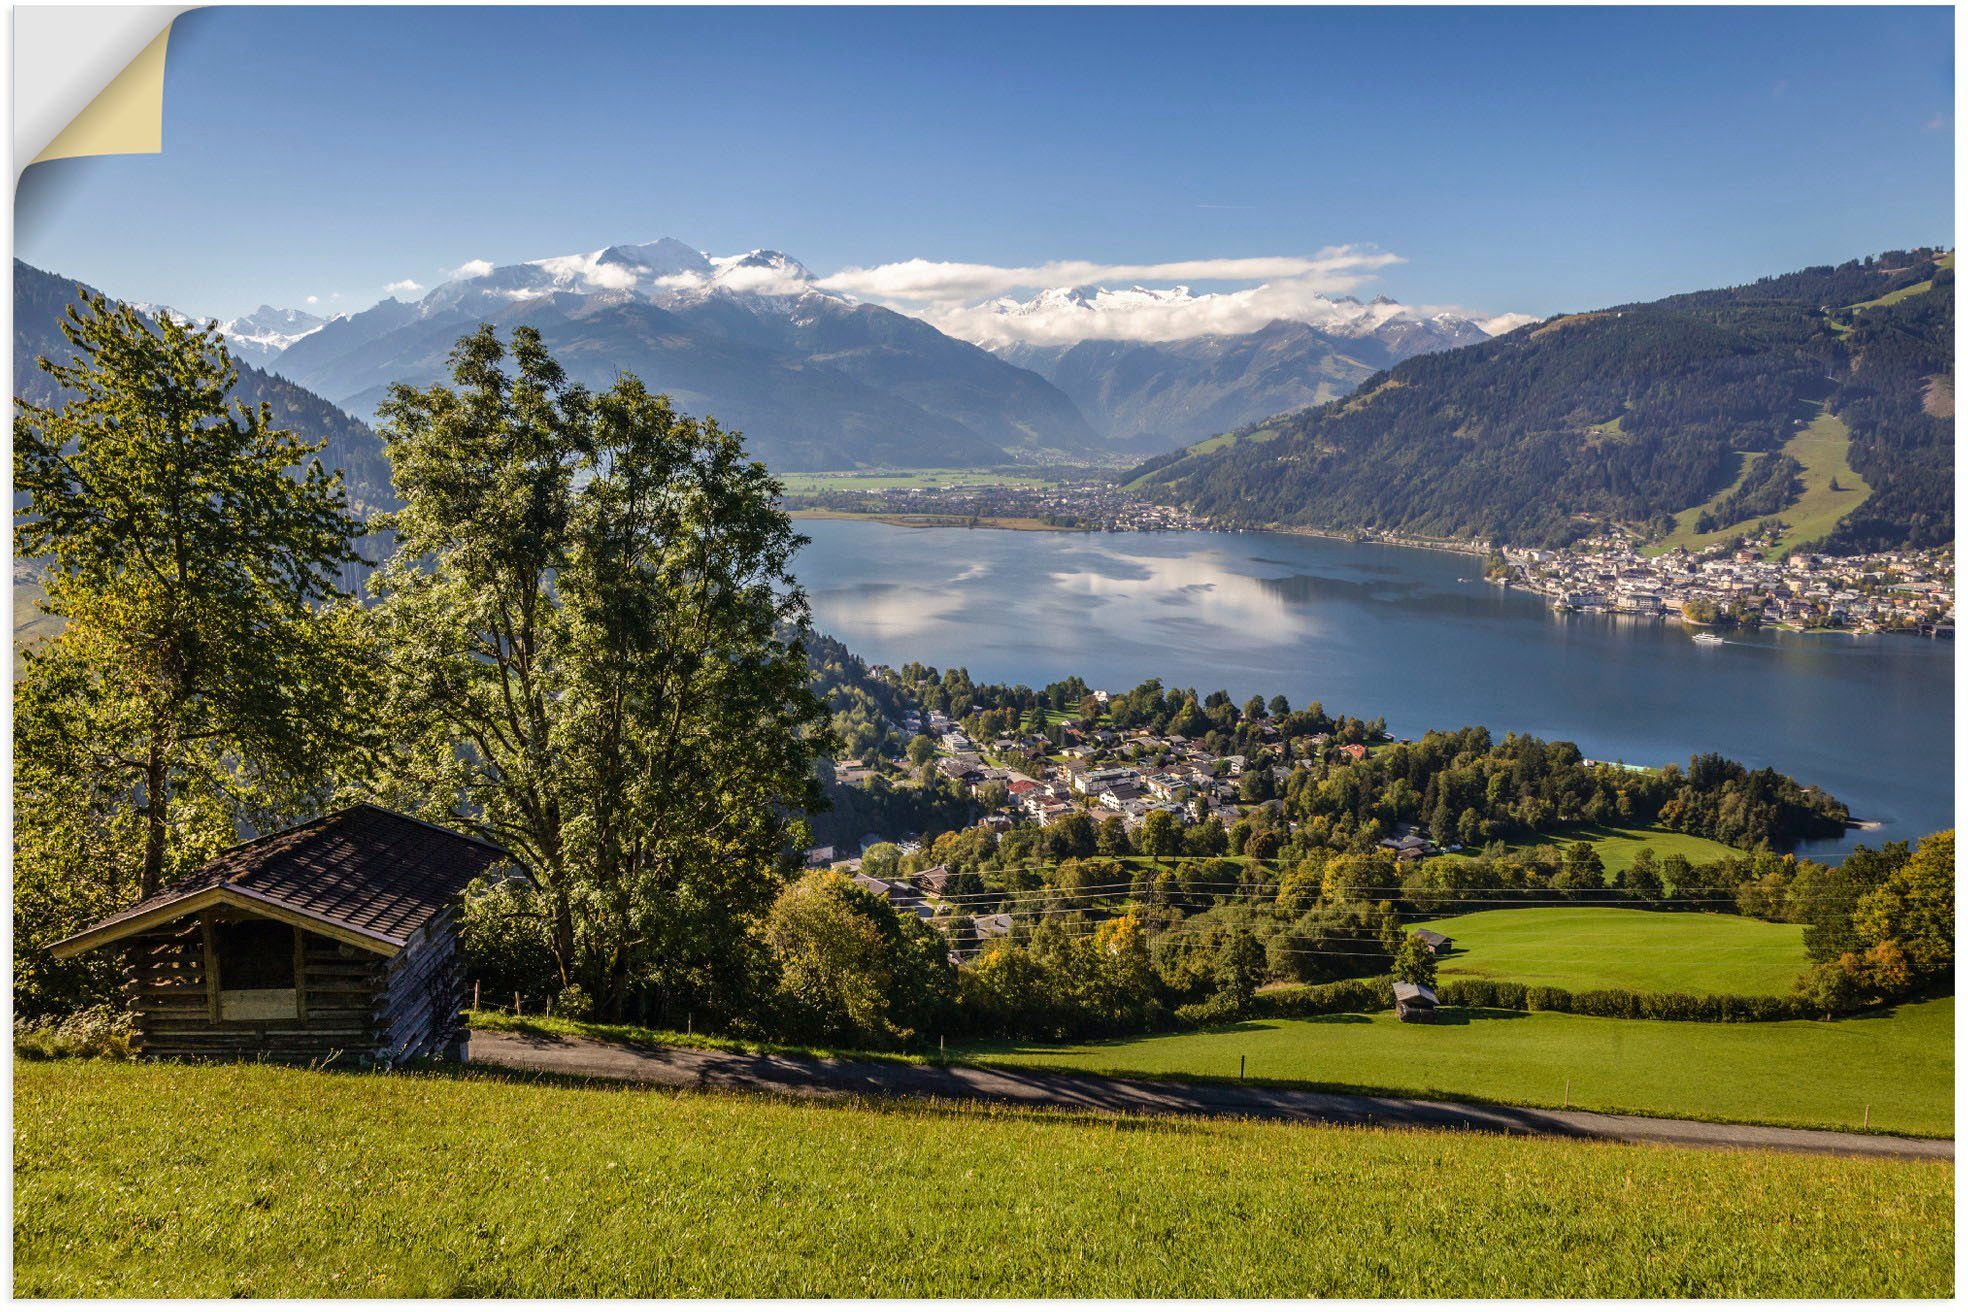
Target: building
[(1414, 1003), (334, 940), (1437, 944)]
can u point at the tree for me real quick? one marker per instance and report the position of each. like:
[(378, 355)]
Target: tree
[(596, 661), (882, 861), (191, 549), (1071, 835), (920, 751), (1414, 963), (1239, 966), (849, 968), (1913, 910)]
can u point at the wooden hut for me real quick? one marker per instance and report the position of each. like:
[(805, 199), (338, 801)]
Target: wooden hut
[(1414, 1002), (1437, 944), (336, 940)]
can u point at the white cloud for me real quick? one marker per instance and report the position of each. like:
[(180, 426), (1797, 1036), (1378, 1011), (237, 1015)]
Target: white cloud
[(472, 269), (314, 300), (589, 273), (1499, 324), (406, 287), (1337, 268)]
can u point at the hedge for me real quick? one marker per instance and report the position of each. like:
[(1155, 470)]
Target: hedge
[(1375, 993), (1623, 1004)]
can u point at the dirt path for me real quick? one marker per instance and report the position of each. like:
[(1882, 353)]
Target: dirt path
[(816, 1077)]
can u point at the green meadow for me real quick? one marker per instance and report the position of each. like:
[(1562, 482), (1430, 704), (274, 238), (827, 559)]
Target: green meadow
[(1889, 1071), (152, 1180), (1617, 947), (1618, 845), (1824, 448)]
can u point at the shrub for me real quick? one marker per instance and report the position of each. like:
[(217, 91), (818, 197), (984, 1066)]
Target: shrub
[(1626, 1004), (1374, 993), (98, 1031), (1218, 1010)]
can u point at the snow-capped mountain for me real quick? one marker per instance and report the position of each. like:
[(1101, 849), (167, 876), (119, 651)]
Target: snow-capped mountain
[(814, 379), (1130, 357), (266, 332)]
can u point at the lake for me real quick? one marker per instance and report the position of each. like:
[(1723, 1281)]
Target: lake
[(1413, 635)]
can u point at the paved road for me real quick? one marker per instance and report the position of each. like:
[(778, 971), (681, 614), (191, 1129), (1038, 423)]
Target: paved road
[(816, 1077)]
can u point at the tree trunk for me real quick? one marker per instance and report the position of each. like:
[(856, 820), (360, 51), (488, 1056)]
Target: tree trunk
[(157, 814)]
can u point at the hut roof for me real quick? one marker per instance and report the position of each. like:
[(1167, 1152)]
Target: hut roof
[(364, 875), (1432, 939), (1406, 992)]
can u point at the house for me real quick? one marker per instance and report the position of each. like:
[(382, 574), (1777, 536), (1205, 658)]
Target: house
[(934, 879), (1408, 846), (1354, 751), (820, 856), (1437, 944), (333, 940), (1414, 1003)]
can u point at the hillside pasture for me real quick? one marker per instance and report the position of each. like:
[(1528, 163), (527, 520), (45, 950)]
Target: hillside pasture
[(1617, 845), (1805, 1073), (1618, 947), (152, 1180), (1823, 447)]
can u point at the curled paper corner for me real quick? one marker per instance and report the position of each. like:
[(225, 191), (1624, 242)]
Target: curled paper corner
[(124, 117)]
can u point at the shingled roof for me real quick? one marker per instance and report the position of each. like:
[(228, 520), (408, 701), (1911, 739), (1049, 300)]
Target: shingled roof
[(364, 875)]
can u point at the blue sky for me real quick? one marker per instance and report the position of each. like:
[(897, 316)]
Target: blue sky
[(1531, 160)]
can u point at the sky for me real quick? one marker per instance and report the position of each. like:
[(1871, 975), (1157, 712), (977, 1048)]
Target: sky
[(1530, 160)]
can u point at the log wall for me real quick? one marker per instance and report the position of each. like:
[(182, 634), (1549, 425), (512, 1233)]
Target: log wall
[(354, 1006)]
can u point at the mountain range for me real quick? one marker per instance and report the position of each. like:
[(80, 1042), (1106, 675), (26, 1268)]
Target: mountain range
[(1157, 394), (817, 380), (1714, 411)]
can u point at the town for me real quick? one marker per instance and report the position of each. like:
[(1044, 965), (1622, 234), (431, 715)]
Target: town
[(1741, 586), (1091, 505)]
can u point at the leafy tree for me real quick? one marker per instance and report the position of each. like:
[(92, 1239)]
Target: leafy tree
[(849, 968), (1239, 967), (1913, 910), (882, 861), (1071, 835), (595, 660), (1414, 963), (191, 549)]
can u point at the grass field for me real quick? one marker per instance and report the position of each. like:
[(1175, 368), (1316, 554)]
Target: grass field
[(1808, 1073), (1824, 449), (1617, 845), (161, 1181), (885, 480), (1616, 947)]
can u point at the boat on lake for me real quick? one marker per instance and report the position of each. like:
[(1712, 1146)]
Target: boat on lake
[(1708, 639)]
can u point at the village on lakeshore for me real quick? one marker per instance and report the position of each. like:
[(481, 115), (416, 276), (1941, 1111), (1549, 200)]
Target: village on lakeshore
[(1743, 586)]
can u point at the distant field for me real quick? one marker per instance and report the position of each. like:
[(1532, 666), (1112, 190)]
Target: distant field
[(1618, 845), (1824, 449), (1616, 947), (163, 1181), (859, 480), (1810, 1073), (30, 621), (1222, 440)]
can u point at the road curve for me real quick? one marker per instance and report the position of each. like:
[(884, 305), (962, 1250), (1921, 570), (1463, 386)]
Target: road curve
[(818, 1077)]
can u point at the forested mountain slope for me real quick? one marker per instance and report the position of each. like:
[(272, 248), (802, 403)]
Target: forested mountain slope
[(1626, 415), (40, 299)]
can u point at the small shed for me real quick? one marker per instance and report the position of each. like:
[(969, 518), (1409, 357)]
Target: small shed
[(334, 940), (1436, 944), (1414, 1002)]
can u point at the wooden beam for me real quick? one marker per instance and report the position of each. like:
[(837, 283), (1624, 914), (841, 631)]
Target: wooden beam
[(239, 898), (211, 964), (300, 973)]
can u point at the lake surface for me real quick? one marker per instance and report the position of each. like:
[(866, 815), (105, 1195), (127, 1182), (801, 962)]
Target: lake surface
[(1413, 635)]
